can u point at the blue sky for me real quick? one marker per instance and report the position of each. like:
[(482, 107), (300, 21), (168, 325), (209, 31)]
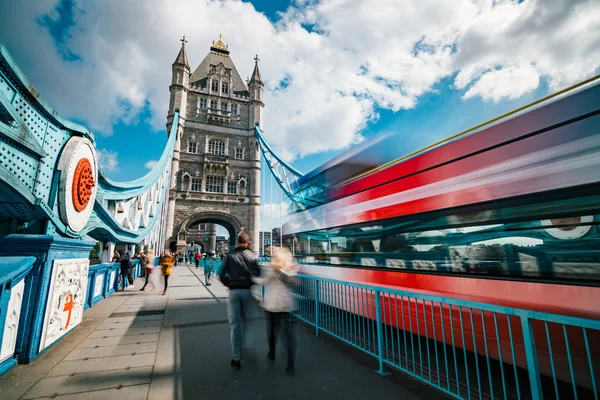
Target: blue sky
[(352, 68)]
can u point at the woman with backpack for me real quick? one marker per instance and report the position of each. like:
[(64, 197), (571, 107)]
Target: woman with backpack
[(279, 303), (166, 265)]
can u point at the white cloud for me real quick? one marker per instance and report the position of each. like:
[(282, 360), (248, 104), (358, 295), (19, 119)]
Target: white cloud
[(108, 160), (505, 83), (271, 212), (151, 164), (361, 56)]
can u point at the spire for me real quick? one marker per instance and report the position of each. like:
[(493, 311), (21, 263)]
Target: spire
[(256, 74), (182, 56)]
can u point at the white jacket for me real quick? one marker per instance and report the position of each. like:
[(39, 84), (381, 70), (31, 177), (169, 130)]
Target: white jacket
[(278, 296)]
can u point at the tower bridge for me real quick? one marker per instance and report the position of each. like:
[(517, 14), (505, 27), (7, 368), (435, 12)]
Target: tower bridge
[(490, 235)]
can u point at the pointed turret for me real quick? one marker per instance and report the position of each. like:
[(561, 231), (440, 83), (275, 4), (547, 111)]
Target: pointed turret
[(179, 85), (182, 56), (256, 88), (256, 78)]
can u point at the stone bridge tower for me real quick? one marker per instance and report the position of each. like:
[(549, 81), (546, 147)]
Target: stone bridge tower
[(216, 163)]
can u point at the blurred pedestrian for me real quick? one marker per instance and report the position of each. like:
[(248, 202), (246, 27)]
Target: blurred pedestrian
[(166, 265), (126, 270), (197, 258), (208, 267), (237, 272), (147, 262), (279, 303)]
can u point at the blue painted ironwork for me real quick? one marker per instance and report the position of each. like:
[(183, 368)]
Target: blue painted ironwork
[(32, 136), (110, 273), (12, 271), (373, 319), (286, 175)]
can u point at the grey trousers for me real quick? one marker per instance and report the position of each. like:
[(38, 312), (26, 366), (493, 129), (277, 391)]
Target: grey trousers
[(240, 301)]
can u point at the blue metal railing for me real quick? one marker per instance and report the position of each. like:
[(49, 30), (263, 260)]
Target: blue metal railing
[(463, 348), (103, 280)]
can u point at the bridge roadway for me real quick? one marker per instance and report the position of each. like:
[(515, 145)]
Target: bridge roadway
[(141, 345)]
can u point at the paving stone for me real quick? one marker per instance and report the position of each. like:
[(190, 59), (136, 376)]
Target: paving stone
[(138, 392), (135, 318), (109, 351), (125, 331), (103, 364), (117, 340), (128, 324), (61, 385)]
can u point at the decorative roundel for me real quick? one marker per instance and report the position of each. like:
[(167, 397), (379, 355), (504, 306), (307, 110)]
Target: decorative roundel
[(83, 184), (79, 175), (569, 232)]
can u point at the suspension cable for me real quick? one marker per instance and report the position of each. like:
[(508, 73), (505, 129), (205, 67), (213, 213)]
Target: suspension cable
[(271, 214), (262, 207), (280, 218)]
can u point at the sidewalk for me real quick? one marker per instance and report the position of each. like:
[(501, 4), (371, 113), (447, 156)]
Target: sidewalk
[(141, 345)]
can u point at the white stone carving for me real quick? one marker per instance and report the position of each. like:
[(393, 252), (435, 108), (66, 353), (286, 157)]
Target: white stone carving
[(98, 285), (395, 263), (66, 298), (368, 262), (113, 275), (11, 326), (76, 149), (424, 265)]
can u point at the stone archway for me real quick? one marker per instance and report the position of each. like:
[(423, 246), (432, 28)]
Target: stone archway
[(228, 221)]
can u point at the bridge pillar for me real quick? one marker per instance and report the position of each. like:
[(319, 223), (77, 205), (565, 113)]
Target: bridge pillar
[(52, 305), (212, 238), (255, 196), (108, 249), (173, 182)]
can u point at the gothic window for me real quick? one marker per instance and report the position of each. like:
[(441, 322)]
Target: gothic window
[(234, 109), (196, 184), (215, 85), (192, 147), (225, 88), (214, 184), (213, 104), (232, 187), (239, 153), (216, 147), (185, 182), (242, 183), (203, 104), (223, 106)]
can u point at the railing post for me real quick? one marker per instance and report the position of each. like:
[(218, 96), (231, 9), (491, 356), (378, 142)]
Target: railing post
[(380, 370), (532, 361), (317, 307)]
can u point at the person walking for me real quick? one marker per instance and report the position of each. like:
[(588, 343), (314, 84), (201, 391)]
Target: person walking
[(208, 267), (147, 262), (126, 269), (166, 265), (197, 258), (279, 303), (237, 272)]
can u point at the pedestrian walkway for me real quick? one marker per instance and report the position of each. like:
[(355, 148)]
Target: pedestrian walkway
[(142, 345)]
